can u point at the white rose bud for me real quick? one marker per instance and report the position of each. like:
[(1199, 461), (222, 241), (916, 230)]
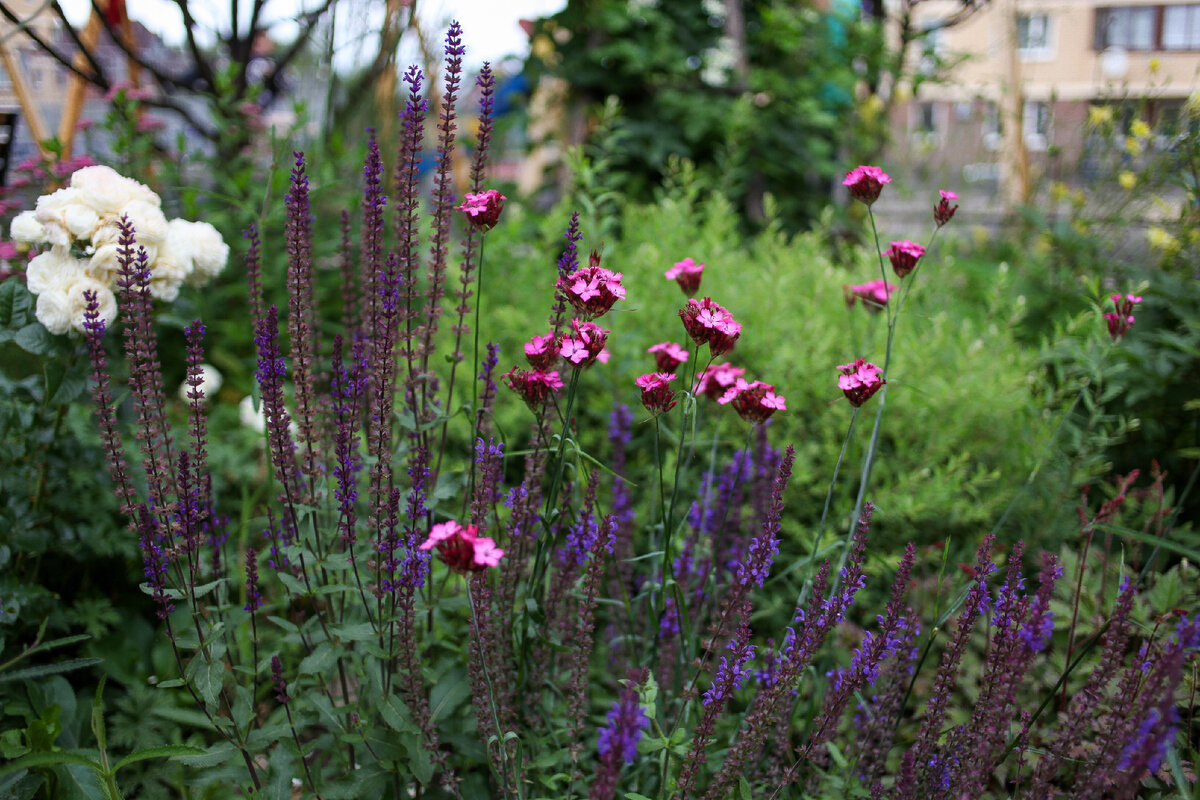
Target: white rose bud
[(210, 383), (51, 212), (203, 244), (26, 228)]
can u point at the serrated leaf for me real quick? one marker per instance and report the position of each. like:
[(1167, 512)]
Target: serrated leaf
[(419, 761), (319, 661), (217, 754), (207, 677), (397, 716), (47, 760)]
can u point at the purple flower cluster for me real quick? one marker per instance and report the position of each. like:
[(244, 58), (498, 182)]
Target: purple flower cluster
[(626, 722)]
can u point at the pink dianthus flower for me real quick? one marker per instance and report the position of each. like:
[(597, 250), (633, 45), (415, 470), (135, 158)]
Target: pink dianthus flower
[(865, 183), (483, 208), (542, 351), (754, 402), (668, 356), (463, 549), (904, 256), (592, 290), (859, 381), (586, 347), (942, 212), (716, 380), (711, 324), (874, 294), (534, 386), (687, 274), (657, 396), (1120, 322)]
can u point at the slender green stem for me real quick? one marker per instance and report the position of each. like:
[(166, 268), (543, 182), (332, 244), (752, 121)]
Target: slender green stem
[(474, 381), (487, 676)]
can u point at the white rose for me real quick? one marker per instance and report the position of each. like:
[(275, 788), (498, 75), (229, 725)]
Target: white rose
[(203, 244), (51, 212), (106, 232), (80, 220), (108, 192), (77, 303), (254, 420), (27, 229), (52, 269), (174, 259), (54, 310), (210, 383), (149, 224), (105, 265), (165, 279)]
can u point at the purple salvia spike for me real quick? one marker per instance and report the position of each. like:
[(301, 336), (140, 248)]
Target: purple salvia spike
[(582, 641), (258, 309), (155, 559), (345, 439), (302, 331), (443, 199), (483, 135), (568, 262), (352, 313), (114, 452), (416, 568), (617, 744), (487, 397), (198, 408), (253, 597), (408, 202), (489, 460), (145, 373), (271, 372)]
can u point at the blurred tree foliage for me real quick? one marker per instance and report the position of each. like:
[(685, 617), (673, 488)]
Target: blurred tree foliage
[(759, 94)]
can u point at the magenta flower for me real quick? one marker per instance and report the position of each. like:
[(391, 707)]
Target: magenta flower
[(542, 351), (865, 183), (463, 549), (483, 208), (586, 347), (859, 381), (754, 402), (592, 290), (717, 379), (687, 274), (711, 324), (534, 386), (668, 356), (874, 294), (657, 396), (942, 212), (904, 256), (1120, 322)]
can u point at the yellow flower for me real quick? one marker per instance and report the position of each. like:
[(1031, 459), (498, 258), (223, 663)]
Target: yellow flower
[(1127, 180), (1140, 129), (1099, 116), (1154, 65), (1133, 146), (1059, 191), (1161, 239), (1081, 227)]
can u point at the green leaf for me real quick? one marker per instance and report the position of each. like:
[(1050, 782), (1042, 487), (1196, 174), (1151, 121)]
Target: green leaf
[(396, 716), (163, 751), (217, 754), (319, 661), (34, 339), (419, 761), (43, 670), (1167, 592), (49, 759), (15, 303), (207, 677), (635, 796)]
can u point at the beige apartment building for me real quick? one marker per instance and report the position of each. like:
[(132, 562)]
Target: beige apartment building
[(1033, 68)]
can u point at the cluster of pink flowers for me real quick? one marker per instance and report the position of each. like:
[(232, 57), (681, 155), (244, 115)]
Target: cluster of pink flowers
[(463, 549), (711, 324), (754, 402), (593, 290), (483, 208), (687, 273), (1121, 320), (586, 346), (874, 294), (717, 379), (904, 256), (534, 386), (668, 356), (859, 381), (657, 396), (542, 351)]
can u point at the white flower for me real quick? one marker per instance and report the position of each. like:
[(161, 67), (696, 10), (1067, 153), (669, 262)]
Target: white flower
[(105, 266), (53, 269), (61, 307), (149, 224), (108, 192), (27, 229), (210, 383), (165, 279), (51, 212), (202, 245), (80, 220), (254, 420)]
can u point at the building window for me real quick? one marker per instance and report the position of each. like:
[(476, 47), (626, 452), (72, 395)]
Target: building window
[(926, 118), (1037, 125), (1181, 28), (1033, 35), (1132, 28), (992, 129)]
